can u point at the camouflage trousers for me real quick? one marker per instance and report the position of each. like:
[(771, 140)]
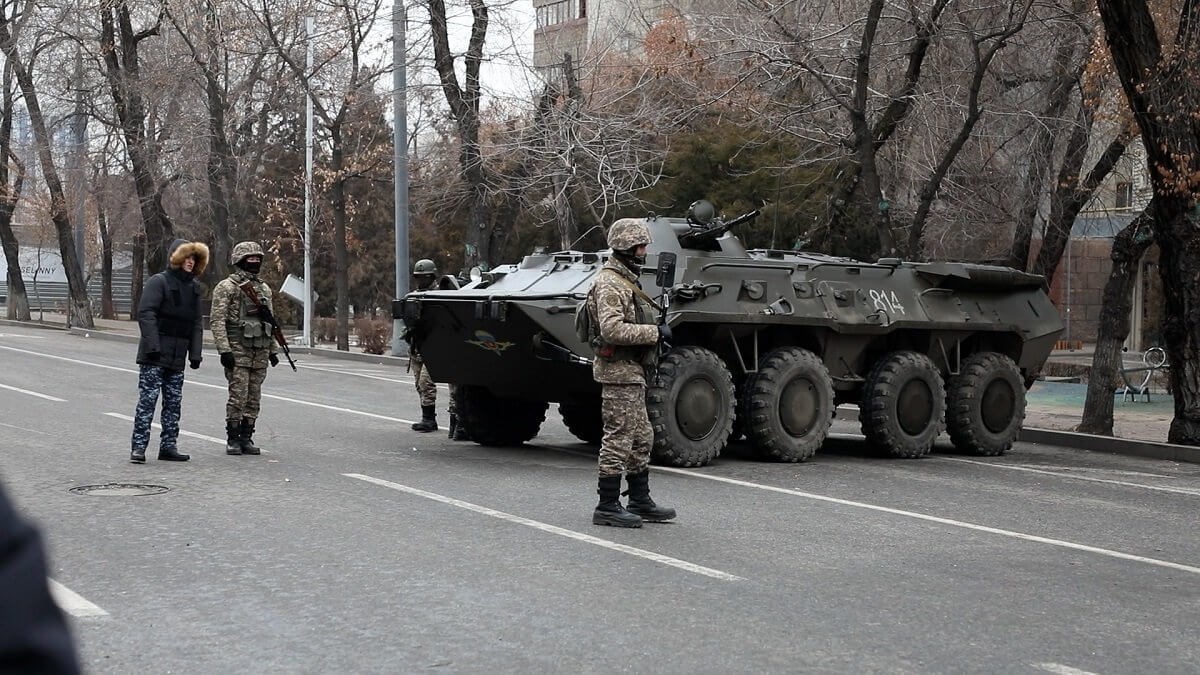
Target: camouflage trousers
[(628, 436), (426, 389), (245, 392), (151, 379)]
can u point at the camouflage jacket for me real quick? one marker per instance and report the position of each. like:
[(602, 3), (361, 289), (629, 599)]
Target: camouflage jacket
[(235, 326), (627, 325)]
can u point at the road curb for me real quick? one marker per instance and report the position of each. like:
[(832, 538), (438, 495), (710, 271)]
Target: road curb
[(376, 359), (1111, 445)]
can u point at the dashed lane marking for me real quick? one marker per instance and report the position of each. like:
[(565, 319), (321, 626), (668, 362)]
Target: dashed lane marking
[(943, 521), (73, 603), (367, 375), (1060, 669), (193, 383), (32, 393), (553, 529), (1059, 474), (189, 434)]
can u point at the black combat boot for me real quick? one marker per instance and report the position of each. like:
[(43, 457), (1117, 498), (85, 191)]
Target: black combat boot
[(428, 420), (640, 501), (247, 438), (233, 437), (460, 433), (609, 511), (137, 455), (172, 455), (453, 426)]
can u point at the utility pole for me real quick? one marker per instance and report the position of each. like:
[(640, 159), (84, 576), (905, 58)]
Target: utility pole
[(308, 163), (400, 159)]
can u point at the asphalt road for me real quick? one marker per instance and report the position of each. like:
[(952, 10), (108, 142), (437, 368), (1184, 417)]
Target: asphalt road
[(356, 545)]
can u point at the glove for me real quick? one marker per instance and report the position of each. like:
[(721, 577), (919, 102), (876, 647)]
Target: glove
[(664, 333), (195, 364), (153, 356), (274, 360), (227, 359)]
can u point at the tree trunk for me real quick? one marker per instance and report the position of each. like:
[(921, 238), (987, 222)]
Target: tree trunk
[(107, 309), (80, 310), (1158, 86), (1129, 246), (138, 280), (17, 305), (123, 76)]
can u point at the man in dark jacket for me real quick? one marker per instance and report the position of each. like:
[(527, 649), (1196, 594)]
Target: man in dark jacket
[(33, 635), (172, 332)]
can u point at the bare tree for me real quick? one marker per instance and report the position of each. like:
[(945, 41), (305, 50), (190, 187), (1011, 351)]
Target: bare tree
[(17, 305)]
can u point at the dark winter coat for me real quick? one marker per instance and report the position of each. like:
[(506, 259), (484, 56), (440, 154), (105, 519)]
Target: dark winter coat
[(169, 311)]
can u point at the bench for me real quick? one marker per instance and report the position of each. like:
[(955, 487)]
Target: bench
[(1155, 359)]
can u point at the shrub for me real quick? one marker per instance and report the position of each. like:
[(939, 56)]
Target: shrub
[(374, 335), (324, 329)]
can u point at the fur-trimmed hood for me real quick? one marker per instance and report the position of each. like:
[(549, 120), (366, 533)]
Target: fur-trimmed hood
[(184, 249)]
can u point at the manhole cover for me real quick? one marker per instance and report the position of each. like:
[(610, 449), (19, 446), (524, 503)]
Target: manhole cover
[(119, 490)]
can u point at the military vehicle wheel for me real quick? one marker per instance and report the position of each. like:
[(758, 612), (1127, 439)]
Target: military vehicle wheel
[(494, 421), (787, 405), (985, 404), (903, 404), (583, 420), (691, 407)]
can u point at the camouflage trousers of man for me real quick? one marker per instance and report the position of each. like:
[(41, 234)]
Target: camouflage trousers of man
[(628, 435), (152, 379), (245, 392), (426, 389)]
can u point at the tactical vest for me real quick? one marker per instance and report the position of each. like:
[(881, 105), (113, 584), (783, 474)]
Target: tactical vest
[(254, 333)]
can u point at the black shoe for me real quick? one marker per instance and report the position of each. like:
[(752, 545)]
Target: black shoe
[(172, 455), (138, 456), (609, 511), (640, 502), (428, 421), (247, 438), (233, 437), (460, 433)]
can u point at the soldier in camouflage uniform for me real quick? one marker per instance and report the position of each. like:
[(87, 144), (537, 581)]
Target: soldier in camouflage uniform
[(626, 356), (245, 344), (425, 278)]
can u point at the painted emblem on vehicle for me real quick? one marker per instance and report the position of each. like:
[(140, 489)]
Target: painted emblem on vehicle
[(485, 340)]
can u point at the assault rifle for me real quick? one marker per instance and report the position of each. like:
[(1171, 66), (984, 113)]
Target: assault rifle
[(665, 278), (264, 313)]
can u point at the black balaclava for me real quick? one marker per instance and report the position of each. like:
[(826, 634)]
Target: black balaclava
[(631, 260), (246, 265)]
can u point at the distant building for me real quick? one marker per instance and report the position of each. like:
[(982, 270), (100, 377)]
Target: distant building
[(590, 29)]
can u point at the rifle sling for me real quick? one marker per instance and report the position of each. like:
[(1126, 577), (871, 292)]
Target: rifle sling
[(634, 287)]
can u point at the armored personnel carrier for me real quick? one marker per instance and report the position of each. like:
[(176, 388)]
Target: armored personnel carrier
[(766, 344)]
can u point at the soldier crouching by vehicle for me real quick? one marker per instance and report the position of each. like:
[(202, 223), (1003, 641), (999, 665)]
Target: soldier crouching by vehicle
[(425, 278), (626, 356), (245, 344)]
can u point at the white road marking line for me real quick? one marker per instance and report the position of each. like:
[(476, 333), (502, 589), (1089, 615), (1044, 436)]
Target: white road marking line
[(156, 425), (26, 337), (32, 393), (32, 431), (1060, 669), (215, 386), (944, 521), (73, 603), (1178, 491), (553, 529), (340, 371)]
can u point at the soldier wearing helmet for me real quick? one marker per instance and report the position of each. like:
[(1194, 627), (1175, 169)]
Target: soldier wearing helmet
[(245, 344), (626, 354), (425, 278)]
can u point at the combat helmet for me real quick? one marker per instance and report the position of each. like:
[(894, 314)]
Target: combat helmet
[(627, 234), (424, 267), (244, 250)]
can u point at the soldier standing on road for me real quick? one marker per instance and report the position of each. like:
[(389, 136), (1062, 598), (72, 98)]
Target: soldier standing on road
[(425, 278), (245, 344), (626, 356), (171, 333)]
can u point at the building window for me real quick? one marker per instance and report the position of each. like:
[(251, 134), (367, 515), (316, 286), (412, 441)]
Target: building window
[(1124, 195), (583, 9)]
